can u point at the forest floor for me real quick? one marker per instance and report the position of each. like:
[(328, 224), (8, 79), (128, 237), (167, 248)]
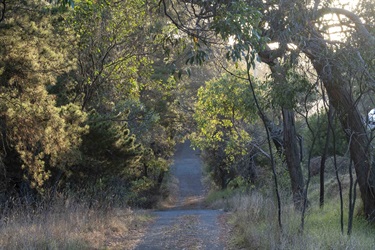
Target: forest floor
[(184, 222)]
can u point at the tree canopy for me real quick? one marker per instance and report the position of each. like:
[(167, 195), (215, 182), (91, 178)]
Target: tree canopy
[(94, 95), (283, 35)]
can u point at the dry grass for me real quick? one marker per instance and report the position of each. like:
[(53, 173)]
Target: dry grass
[(255, 226), (70, 225)]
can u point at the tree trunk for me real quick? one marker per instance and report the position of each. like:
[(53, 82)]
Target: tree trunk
[(350, 118), (289, 145), (360, 152), (292, 157), (276, 133)]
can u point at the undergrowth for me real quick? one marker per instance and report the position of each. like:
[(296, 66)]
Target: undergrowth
[(68, 224), (255, 226)]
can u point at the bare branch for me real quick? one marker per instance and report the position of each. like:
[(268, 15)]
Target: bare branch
[(359, 26)]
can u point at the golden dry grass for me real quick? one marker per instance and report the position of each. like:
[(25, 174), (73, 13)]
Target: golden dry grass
[(71, 226)]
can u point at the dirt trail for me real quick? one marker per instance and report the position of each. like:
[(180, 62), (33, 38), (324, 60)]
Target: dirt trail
[(186, 225)]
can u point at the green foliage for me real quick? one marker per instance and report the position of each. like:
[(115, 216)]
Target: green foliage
[(110, 52), (223, 105), (224, 111), (220, 198), (109, 149), (63, 3), (290, 92), (37, 134), (238, 23), (73, 90), (113, 155), (319, 124), (127, 142), (44, 135)]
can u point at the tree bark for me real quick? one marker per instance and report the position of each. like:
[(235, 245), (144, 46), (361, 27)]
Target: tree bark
[(350, 118), (292, 157), (276, 133), (351, 122), (286, 143)]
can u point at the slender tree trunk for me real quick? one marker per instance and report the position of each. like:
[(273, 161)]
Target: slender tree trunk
[(262, 116), (324, 156), (292, 157), (302, 228), (352, 199), (338, 179)]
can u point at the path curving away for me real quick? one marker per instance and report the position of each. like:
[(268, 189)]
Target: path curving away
[(187, 225)]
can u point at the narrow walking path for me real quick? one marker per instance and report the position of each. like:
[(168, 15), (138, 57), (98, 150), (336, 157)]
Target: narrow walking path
[(187, 225)]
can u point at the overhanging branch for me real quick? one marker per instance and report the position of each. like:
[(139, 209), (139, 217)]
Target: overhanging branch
[(359, 26)]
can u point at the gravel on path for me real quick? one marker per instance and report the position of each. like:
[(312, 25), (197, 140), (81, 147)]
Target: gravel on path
[(186, 225)]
